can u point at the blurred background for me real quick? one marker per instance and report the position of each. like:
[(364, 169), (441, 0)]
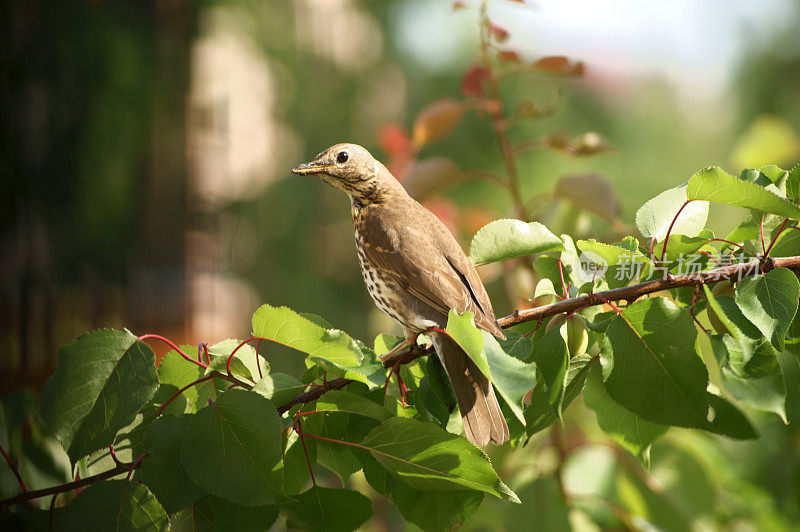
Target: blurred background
[(146, 148)]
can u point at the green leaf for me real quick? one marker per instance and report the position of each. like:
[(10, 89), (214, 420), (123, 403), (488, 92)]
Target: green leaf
[(769, 302), (296, 472), (540, 414), (512, 377), (340, 401), (793, 184), (623, 264), (279, 388), (114, 505), (338, 457), (436, 510), (729, 314), (713, 184), (461, 328), (517, 345), (328, 510), (174, 373), (727, 420), (552, 361), (324, 346), (759, 384), (435, 392), (654, 218), (231, 446), (227, 515), (507, 239), (101, 381), (631, 431), (428, 458), (245, 362), (657, 372), (162, 471), (544, 288), (787, 244)]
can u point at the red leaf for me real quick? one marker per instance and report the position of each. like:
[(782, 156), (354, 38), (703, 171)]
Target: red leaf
[(436, 121), (509, 56), (499, 33), (394, 141), (559, 64), (472, 82)]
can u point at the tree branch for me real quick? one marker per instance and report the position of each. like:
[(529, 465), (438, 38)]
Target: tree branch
[(633, 292), (35, 494), (628, 293)]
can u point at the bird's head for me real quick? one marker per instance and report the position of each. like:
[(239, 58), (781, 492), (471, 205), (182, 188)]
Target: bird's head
[(351, 168)]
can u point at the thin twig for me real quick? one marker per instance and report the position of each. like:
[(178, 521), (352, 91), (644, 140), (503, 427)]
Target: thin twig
[(13, 467)]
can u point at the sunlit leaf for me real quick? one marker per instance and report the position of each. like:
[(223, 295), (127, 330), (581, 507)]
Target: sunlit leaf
[(654, 218), (512, 377), (430, 459), (769, 302), (507, 239), (231, 446), (657, 372), (712, 184), (101, 381)]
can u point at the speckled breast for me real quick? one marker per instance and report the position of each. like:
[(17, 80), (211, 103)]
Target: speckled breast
[(384, 291)]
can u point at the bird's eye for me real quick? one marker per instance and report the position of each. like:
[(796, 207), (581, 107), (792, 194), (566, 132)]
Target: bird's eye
[(342, 157)]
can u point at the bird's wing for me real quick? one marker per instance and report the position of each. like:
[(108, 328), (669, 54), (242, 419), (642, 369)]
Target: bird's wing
[(413, 246)]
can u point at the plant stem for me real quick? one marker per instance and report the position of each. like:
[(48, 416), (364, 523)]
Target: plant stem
[(35, 494), (497, 113), (13, 467)]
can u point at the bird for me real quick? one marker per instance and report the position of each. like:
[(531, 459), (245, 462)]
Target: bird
[(415, 271)]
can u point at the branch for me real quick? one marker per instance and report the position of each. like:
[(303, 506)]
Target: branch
[(627, 293), (35, 494), (634, 292)]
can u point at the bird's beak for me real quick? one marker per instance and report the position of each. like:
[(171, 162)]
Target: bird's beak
[(310, 168)]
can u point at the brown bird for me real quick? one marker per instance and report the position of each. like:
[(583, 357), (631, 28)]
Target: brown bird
[(415, 272)]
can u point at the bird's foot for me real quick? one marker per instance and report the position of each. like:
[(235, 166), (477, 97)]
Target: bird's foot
[(409, 344)]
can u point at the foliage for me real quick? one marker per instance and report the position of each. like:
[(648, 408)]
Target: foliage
[(232, 446), (218, 440)]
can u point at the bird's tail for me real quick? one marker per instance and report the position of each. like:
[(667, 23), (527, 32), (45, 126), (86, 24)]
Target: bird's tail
[(483, 419)]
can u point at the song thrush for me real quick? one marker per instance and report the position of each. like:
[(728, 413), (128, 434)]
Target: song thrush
[(415, 272)]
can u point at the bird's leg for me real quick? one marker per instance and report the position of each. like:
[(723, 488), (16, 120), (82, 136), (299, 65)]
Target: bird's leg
[(409, 343)]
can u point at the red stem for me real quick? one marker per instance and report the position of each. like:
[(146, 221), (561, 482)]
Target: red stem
[(299, 431), (258, 365), (113, 454), (176, 394), (173, 346), (14, 469), (563, 284), (775, 238), (726, 241), (50, 511), (671, 225), (134, 465)]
